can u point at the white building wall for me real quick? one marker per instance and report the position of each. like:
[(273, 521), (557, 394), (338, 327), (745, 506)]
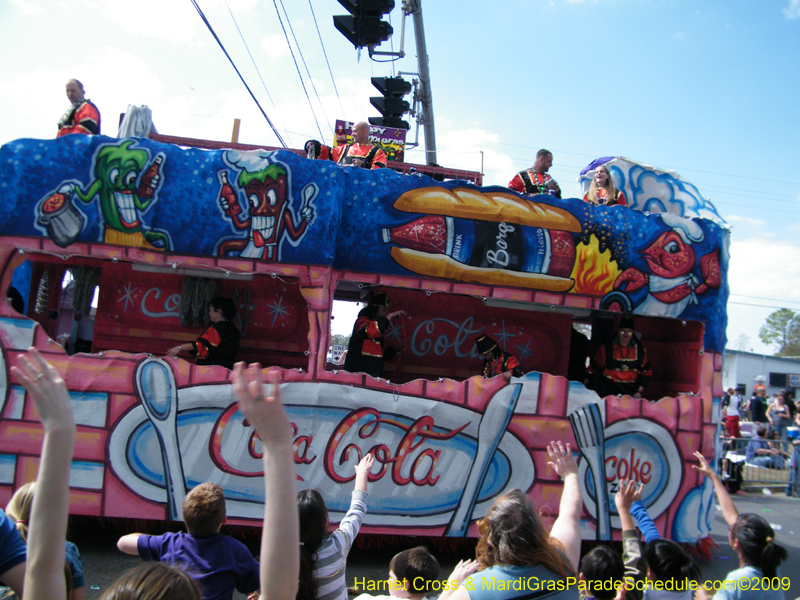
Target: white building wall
[(742, 368)]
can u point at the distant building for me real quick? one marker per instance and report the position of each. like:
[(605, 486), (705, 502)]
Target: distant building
[(742, 368)]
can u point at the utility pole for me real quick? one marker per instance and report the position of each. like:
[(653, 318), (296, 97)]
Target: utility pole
[(364, 27), (414, 8)]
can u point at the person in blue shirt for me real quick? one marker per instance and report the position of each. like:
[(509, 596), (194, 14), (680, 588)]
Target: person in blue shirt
[(761, 454), (12, 555)]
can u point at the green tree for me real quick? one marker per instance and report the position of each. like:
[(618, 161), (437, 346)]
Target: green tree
[(782, 330), (337, 339)]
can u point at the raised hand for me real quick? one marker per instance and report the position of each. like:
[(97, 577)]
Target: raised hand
[(462, 570), (561, 459), (703, 468), (629, 492), (48, 391), (264, 411)]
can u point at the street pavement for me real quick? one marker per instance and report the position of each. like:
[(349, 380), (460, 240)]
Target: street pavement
[(370, 559)]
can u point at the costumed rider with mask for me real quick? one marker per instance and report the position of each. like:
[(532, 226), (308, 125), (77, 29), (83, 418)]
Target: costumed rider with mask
[(367, 350), (359, 153), (496, 361), (621, 366)]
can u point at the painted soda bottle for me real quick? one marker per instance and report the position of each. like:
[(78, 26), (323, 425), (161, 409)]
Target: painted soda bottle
[(227, 197), (488, 244), (146, 186)]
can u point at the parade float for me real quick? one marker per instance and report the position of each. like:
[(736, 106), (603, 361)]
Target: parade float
[(158, 229)]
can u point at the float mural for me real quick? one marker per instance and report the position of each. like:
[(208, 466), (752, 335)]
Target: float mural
[(460, 259)]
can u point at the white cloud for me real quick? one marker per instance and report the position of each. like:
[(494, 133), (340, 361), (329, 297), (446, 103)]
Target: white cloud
[(461, 149), (27, 8), (765, 274), (177, 22), (770, 270), (793, 10), (275, 46), (746, 222)]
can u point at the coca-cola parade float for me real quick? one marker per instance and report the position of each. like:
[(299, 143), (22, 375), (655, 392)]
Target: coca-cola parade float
[(159, 229)]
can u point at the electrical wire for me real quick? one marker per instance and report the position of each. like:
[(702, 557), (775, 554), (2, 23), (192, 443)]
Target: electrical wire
[(297, 67), (252, 95), (253, 60), (302, 58), (324, 52)]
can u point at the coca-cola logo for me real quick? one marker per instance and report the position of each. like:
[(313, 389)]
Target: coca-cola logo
[(438, 336), (407, 462), (641, 450), (423, 450)]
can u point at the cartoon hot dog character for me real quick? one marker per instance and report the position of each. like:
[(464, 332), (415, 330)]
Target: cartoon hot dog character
[(486, 237)]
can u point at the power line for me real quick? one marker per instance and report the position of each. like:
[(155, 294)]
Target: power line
[(253, 60), (297, 67), (321, 43), (252, 95), (310, 79), (666, 168), (755, 305), (762, 298)]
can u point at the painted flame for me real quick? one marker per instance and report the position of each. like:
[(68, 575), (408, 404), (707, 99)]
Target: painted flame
[(594, 271)]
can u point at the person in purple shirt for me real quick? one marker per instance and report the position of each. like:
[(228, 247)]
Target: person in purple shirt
[(217, 562)]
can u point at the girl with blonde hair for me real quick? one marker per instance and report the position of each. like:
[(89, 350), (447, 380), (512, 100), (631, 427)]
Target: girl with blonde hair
[(603, 191)]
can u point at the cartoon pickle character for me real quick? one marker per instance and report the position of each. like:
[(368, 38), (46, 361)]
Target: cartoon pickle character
[(116, 170), (266, 187), (486, 237), (672, 285)]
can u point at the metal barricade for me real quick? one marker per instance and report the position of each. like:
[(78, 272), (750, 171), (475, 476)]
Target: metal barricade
[(776, 468)]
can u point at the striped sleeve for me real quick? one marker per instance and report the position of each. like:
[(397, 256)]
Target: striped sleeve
[(329, 570)]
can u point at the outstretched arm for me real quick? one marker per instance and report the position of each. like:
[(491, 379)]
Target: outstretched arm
[(629, 494), (363, 468), (129, 544), (280, 538), (44, 575), (729, 511), (567, 528)]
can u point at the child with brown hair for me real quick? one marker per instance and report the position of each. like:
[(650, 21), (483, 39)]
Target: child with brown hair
[(217, 562), (412, 575)]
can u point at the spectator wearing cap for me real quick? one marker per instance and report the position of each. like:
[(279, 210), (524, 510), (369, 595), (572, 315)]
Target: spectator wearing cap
[(621, 366), (496, 361), (367, 350)]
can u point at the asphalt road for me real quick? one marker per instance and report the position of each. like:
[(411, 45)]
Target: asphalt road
[(104, 563)]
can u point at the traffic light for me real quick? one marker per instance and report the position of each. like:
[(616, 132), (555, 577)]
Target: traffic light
[(391, 105), (363, 26)]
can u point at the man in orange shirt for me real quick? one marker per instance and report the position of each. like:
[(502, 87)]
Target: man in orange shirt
[(360, 153), (536, 180), (82, 116)]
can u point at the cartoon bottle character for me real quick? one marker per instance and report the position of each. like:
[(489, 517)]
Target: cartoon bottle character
[(269, 221), (493, 238)]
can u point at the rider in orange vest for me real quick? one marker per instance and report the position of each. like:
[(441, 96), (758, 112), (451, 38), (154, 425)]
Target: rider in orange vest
[(359, 153)]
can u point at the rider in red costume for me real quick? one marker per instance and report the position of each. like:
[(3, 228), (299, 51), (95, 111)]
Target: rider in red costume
[(361, 153), (82, 116)]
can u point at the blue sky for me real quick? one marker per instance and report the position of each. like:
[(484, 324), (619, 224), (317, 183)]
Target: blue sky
[(708, 88)]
